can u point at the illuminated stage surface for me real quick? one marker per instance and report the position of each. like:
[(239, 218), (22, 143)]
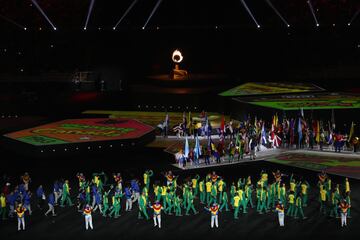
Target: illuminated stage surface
[(265, 88), (342, 164), (77, 132), (306, 101)]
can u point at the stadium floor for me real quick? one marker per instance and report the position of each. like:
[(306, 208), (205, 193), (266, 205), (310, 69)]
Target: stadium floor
[(70, 224)]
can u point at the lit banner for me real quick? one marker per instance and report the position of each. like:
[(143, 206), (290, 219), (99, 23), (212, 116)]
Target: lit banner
[(82, 130), (264, 88), (306, 101)]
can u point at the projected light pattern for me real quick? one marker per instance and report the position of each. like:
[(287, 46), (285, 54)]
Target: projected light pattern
[(82, 130), (306, 101)]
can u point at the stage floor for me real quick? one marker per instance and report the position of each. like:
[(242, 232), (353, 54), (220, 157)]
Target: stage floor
[(70, 224), (342, 164)]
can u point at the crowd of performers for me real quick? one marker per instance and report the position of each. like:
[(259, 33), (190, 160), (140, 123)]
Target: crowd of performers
[(247, 137), (286, 195)]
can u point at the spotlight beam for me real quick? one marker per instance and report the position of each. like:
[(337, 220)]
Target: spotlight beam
[(354, 17), (126, 13), (277, 12), (12, 22), (312, 12), (43, 13), (89, 13), (249, 12), (152, 13)]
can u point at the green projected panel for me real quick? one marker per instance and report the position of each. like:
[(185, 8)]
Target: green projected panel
[(265, 88), (306, 101), (40, 140)]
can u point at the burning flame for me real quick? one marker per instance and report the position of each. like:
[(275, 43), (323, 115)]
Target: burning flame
[(177, 56)]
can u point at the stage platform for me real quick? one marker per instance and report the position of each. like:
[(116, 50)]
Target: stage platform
[(341, 164), (72, 136)]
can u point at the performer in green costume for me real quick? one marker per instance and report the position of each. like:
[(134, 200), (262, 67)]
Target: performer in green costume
[(66, 195)]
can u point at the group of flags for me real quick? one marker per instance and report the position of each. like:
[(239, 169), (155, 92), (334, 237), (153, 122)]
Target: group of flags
[(287, 126), (197, 148)]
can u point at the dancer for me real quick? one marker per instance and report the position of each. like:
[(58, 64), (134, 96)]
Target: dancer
[(281, 215), (157, 213), (190, 205), (51, 203), (344, 206), (88, 217), (298, 209), (20, 212), (3, 206), (142, 207), (214, 210), (224, 202), (66, 195), (147, 175)]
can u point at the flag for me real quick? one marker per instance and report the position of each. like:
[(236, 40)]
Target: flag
[(213, 147), (237, 141), (189, 123), (318, 131), (206, 127), (187, 150), (330, 137), (222, 125), (166, 123), (197, 148), (351, 131), (263, 135), (292, 130), (300, 130), (275, 120)]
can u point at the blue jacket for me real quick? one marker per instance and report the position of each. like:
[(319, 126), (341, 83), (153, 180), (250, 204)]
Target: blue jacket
[(128, 193), (94, 189), (98, 198), (56, 187), (39, 192), (11, 198), (51, 199), (135, 186), (22, 188), (82, 196), (26, 199)]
